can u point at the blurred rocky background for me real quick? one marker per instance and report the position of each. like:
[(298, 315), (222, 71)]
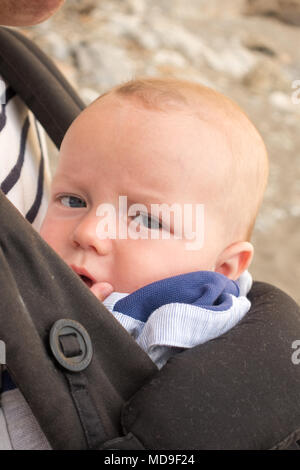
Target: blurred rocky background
[(247, 49)]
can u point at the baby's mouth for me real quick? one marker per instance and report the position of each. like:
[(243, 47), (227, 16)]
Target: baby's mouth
[(84, 276), (86, 280), (101, 289)]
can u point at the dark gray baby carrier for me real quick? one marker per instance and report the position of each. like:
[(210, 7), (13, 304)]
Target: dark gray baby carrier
[(89, 385)]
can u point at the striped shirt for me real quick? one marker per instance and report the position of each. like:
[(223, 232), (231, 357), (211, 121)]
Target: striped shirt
[(24, 167)]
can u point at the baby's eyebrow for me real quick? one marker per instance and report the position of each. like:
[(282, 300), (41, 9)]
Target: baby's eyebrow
[(145, 198), (63, 179)]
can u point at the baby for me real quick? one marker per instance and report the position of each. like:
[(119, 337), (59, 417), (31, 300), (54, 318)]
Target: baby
[(171, 142)]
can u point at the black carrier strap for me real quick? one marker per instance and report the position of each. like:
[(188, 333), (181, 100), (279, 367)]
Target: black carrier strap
[(87, 381), (39, 83)]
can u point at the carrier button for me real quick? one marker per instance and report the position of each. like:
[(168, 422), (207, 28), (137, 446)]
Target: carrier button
[(71, 345)]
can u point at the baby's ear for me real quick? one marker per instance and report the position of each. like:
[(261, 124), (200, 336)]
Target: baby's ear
[(235, 259)]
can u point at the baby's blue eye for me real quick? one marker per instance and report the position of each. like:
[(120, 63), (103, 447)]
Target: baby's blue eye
[(148, 221), (72, 201)]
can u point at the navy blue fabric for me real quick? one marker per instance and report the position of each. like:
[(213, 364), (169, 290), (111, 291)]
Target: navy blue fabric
[(7, 383), (9, 94), (33, 211), (201, 288), (15, 172)]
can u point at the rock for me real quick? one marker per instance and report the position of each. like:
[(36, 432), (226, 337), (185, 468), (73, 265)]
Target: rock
[(285, 10), (57, 46), (294, 210), (131, 27), (83, 7), (260, 44), (283, 101), (169, 57), (233, 59), (200, 9), (172, 35), (104, 64), (137, 7), (88, 95), (266, 76)]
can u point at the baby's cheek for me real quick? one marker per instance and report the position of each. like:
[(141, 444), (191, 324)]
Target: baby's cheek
[(147, 264), (45, 228), (50, 233)]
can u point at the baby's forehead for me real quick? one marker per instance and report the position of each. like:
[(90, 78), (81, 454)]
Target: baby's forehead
[(213, 113), (199, 103), (188, 138), (170, 147)]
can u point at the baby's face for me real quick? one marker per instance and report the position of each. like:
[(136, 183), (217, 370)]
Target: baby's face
[(119, 148)]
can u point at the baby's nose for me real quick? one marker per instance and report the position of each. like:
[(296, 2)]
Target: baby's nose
[(85, 236)]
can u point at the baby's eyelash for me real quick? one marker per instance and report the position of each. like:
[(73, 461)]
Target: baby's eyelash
[(158, 225), (72, 200)]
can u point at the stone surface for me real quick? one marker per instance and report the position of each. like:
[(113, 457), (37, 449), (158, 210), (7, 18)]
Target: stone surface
[(285, 10)]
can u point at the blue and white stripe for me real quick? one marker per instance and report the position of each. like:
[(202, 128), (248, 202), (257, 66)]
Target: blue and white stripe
[(24, 168), (181, 312)]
